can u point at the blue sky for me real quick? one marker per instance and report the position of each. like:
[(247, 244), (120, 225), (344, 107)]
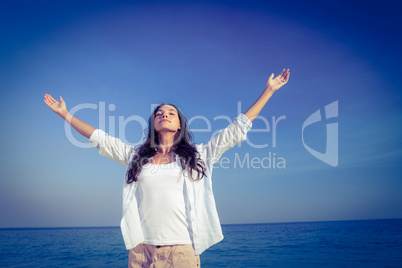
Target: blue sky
[(207, 57)]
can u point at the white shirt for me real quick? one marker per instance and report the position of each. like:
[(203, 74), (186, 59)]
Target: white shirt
[(162, 202), (204, 218)]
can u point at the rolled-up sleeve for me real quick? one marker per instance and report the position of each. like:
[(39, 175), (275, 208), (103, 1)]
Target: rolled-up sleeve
[(233, 134), (111, 147)]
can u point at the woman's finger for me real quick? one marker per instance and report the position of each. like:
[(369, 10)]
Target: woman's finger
[(47, 103), (48, 99), (287, 74), (47, 96), (52, 99)]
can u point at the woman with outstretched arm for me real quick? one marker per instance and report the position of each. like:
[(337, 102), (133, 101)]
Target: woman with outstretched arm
[(168, 205)]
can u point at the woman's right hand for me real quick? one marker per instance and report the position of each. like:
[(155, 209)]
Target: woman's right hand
[(57, 107)]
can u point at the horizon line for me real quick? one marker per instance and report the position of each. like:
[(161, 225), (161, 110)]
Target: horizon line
[(256, 223)]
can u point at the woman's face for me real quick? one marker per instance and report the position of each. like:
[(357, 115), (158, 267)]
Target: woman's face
[(167, 119)]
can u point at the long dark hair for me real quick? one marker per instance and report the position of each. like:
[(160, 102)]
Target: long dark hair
[(183, 147)]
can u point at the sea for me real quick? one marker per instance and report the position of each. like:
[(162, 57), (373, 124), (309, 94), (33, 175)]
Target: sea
[(362, 243)]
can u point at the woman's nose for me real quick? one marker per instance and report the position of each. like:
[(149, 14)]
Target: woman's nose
[(164, 115)]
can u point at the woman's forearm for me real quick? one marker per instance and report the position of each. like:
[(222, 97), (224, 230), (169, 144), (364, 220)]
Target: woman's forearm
[(256, 108), (82, 127)]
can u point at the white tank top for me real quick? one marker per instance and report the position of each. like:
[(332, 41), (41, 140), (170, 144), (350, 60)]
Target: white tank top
[(162, 205)]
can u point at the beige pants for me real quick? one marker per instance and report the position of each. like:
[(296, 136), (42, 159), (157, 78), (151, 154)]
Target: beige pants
[(181, 256)]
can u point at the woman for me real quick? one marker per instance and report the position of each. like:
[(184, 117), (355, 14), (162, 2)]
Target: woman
[(169, 213)]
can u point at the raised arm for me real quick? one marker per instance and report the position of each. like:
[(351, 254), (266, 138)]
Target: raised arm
[(60, 109), (273, 84)]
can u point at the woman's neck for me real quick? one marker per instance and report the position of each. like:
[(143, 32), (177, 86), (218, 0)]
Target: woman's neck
[(165, 143)]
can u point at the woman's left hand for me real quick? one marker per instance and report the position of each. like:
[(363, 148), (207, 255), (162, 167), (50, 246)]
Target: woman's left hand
[(273, 84)]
